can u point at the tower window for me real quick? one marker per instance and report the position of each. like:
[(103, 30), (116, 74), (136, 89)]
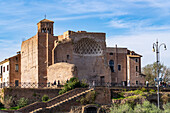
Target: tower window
[(136, 68), (119, 67), (48, 31), (42, 30), (111, 64)]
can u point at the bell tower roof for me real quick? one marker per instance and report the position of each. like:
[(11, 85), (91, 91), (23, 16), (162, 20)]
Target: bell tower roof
[(45, 26), (46, 20)]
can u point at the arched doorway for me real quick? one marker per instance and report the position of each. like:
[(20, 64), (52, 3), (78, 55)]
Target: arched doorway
[(91, 110), (111, 64)]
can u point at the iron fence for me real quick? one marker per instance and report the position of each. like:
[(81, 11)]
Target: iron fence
[(28, 85), (107, 84), (52, 85)]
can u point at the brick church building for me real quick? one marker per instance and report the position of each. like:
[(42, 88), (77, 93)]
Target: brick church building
[(46, 58)]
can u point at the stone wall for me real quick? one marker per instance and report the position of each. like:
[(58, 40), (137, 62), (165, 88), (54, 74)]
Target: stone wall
[(118, 55), (89, 56), (103, 96), (61, 71), (15, 74), (87, 51), (63, 52), (135, 71), (32, 94), (29, 60)]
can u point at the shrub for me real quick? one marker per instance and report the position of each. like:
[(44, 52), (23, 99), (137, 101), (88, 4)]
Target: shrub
[(73, 79), (8, 102), (151, 91), (146, 107), (137, 92), (119, 96), (72, 84), (89, 98), (164, 98), (166, 108), (124, 108), (22, 102), (143, 89), (45, 98), (84, 84)]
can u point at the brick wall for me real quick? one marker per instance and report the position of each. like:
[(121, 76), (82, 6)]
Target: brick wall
[(118, 55), (60, 71), (32, 94), (29, 60), (15, 74)]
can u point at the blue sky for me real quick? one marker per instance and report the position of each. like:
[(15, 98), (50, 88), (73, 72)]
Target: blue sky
[(135, 24)]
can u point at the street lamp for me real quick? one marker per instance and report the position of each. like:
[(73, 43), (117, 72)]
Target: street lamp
[(157, 47)]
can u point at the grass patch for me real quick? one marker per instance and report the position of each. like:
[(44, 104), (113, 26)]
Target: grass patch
[(119, 96), (12, 108)]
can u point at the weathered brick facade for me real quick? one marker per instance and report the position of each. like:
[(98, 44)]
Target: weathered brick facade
[(85, 55), (10, 71)]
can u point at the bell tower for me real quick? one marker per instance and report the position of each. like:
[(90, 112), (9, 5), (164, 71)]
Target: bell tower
[(45, 26)]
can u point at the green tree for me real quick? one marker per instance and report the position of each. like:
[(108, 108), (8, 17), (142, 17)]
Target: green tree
[(150, 71), (22, 102)]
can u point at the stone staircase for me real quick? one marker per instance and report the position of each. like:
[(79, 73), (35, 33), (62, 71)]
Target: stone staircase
[(38, 107), (53, 101), (53, 108)]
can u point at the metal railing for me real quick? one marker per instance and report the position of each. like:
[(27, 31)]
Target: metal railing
[(52, 85), (28, 85), (107, 84)]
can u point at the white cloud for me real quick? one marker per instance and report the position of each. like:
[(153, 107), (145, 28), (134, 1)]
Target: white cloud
[(102, 15), (142, 43), (8, 48)]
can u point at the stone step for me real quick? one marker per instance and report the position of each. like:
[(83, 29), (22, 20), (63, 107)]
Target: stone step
[(70, 98)]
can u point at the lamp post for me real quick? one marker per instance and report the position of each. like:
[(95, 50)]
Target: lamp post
[(157, 47)]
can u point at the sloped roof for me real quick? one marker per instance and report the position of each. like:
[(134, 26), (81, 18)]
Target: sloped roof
[(6, 60), (46, 20)]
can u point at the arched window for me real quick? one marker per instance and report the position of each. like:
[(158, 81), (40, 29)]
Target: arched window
[(42, 30), (48, 30), (111, 64)]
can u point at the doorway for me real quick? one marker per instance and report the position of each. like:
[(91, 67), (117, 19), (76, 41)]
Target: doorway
[(102, 81), (16, 83)]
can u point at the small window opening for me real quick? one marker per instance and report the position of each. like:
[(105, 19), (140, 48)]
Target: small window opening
[(7, 67), (111, 53), (137, 82), (136, 68), (119, 67), (17, 59), (68, 57), (136, 60), (16, 67), (111, 64), (4, 69)]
